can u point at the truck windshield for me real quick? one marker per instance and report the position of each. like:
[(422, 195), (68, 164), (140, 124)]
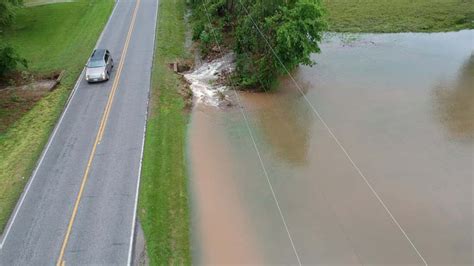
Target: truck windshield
[(96, 63)]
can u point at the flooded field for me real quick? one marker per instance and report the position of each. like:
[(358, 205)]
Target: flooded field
[(386, 177)]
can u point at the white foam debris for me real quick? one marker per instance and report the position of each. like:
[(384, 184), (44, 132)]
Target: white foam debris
[(203, 81)]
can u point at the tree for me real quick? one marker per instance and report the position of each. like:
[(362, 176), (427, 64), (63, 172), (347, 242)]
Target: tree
[(9, 59), (7, 11), (269, 37)]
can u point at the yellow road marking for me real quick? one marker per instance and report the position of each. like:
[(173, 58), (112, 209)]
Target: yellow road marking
[(98, 138)]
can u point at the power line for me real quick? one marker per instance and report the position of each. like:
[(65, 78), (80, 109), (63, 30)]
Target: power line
[(335, 138), (242, 111)]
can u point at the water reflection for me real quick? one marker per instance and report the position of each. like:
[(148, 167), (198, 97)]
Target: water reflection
[(456, 103), (283, 120), (376, 95)]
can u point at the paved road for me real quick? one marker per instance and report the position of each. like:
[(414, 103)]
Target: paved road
[(101, 230)]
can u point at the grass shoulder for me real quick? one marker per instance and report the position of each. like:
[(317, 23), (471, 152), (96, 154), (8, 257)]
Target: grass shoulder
[(51, 37), (399, 15), (163, 202)]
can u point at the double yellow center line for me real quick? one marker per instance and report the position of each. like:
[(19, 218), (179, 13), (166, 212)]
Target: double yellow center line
[(99, 135)]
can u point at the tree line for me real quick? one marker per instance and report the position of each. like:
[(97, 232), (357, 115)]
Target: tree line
[(268, 37), (9, 58)]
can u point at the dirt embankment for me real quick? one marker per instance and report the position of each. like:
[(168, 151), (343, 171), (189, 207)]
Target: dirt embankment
[(180, 67), (20, 91)]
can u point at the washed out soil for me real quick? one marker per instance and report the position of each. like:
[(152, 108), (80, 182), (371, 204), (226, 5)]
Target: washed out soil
[(18, 94), (180, 67)]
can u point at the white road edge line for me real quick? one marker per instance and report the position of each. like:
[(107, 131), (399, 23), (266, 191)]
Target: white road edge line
[(45, 151), (132, 233), (338, 142)]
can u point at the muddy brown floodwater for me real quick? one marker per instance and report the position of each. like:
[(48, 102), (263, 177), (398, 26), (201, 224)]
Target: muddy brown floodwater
[(400, 105)]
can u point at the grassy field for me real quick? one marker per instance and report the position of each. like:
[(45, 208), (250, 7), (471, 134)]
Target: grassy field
[(51, 37), (43, 2), (163, 204), (399, 15)]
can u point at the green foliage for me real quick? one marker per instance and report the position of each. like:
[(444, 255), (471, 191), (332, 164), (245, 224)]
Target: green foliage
[(203, 32), (208, 37), (298, 32), (9, 59), (269, 37), (198, 28), (163, 201), (45, 35), (8, 11)]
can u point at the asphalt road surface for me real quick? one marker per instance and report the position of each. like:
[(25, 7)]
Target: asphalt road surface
[(79, 206)]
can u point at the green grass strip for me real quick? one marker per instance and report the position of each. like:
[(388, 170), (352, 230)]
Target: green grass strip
[(400, 15), (163, 202), (52, 37)]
